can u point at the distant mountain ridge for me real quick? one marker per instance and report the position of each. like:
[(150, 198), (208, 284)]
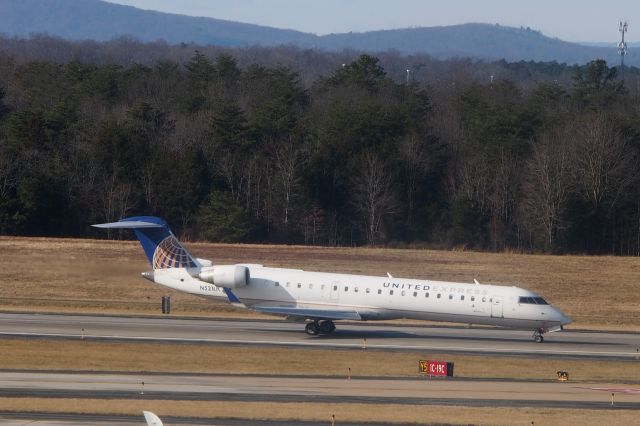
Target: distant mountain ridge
[(99, 20)]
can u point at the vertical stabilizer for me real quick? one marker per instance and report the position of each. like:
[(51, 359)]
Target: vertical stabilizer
[(152, 419), (162, 248)]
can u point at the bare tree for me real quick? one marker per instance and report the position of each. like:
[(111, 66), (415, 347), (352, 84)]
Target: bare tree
[(116, 198), (604, 164), (502, 197), (287, 157), (8, 174), (373, 195), (473, 179), (415, 166), (548, 185)]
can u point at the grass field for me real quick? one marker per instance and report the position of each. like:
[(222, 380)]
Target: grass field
[(34, 354), (97, 276)]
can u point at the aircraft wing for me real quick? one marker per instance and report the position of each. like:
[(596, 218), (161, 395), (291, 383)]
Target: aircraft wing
[(294, 311)]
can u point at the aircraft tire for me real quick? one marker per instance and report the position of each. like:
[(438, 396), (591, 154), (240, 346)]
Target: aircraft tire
[(538, 338), (327, 327), (312, 329)]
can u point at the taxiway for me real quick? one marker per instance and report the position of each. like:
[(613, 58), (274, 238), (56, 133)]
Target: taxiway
[(375, 336)]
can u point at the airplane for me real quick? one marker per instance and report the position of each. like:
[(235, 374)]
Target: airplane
[(320, 298)]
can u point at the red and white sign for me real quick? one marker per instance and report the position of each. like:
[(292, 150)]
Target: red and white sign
[(436, 368)]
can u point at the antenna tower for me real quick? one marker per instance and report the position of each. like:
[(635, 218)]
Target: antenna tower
[(622, 46)]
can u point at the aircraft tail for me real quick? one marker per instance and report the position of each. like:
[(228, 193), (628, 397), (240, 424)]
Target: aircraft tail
[(152, 419), (162, 248)]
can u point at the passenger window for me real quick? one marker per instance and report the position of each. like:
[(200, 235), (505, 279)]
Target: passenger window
[(403, 292), (461, 297), (379, 291), (288, 284), (322, 287), (484, 299), (438, 295), (451, 297), (310, 286), (355, 289), (335, 287), (390, 292), (367, 291), (299, 285), (426, 295), (415, 293), (473, 298), (346, 288)]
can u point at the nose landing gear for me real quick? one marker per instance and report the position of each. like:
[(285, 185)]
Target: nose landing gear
[(320, 327), (537, 335)]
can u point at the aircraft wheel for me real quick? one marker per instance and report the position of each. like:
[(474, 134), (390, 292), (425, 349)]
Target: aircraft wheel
[(327, 327), (538, 338), (312, 329)]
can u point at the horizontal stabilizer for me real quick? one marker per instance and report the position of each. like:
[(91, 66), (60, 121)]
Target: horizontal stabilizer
[(131, 224), (328, 314)]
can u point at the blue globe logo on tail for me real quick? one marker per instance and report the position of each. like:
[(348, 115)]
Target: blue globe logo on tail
[(170, 254)]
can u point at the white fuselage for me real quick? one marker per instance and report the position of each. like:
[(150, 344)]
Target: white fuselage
[(378, 298)]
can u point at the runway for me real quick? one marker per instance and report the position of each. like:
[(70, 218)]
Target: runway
[(375, 336), (259, 388)]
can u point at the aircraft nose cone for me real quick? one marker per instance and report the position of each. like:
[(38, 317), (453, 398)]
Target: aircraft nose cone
[(564, 320)]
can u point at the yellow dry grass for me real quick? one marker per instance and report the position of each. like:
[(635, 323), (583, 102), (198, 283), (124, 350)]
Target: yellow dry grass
[(92, 276), (384, 413), (98, 356)]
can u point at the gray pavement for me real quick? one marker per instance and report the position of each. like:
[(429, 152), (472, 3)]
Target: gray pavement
[(375, 336)]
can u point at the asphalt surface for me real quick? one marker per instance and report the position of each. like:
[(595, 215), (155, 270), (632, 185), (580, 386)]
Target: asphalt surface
[(375, 336)]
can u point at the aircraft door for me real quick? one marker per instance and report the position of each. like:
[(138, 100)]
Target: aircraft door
[(497, 306), (335, 291)]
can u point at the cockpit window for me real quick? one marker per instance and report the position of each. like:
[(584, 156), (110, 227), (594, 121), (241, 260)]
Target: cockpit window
[(532, 300)]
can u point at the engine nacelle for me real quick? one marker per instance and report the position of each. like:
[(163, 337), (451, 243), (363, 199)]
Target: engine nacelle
[(229, 276)]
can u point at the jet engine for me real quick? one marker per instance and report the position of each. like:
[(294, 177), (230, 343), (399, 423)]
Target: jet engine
[(229, 276)]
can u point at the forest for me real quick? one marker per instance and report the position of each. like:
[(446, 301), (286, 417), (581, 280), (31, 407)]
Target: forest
[(233, 150)]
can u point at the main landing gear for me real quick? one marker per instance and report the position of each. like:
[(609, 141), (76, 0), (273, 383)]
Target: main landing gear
[(320, 327), (537, 335)]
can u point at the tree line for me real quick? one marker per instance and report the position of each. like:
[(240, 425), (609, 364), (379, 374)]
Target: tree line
[(252, 153)]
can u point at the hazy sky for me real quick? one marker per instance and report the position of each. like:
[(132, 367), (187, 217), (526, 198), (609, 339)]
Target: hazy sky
[(571, 20)]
